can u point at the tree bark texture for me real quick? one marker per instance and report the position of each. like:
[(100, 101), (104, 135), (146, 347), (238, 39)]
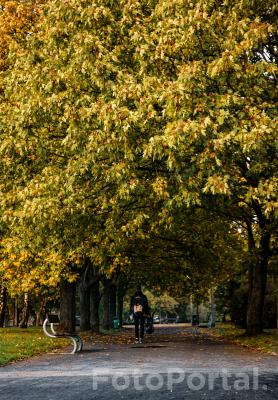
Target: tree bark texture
[(3, 304), (94, 307), (40, 313), (121, 291), (109, 303), (257, 287), (25, 311), (84, 296), (67, 306)]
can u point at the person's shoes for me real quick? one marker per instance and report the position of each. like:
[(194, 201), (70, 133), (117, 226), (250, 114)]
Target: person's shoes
[(140, 340), (136, 341)]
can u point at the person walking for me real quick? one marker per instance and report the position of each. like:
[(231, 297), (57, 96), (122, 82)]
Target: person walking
[(139, 310)]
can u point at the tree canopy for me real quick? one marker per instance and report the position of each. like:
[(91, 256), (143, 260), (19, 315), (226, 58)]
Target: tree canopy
[(129, 123)]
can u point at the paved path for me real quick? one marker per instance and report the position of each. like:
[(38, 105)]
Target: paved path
[(172, 364)]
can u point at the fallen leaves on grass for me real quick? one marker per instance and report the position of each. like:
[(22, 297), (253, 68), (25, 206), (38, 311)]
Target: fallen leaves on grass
[(266, 342)]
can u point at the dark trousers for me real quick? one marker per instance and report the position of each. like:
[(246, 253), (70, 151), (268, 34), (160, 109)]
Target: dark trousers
[(139, 321)]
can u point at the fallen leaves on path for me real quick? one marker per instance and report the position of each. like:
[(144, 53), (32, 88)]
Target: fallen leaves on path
[(126, 336)]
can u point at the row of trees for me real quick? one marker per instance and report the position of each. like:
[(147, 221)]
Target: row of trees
[(138, 139)]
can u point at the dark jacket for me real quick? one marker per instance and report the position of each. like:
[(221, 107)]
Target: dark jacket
[(145, 304)]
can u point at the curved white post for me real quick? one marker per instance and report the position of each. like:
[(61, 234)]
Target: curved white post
[(79, 343), (74, 344), (52, 329), (76, 340), (45, 329)]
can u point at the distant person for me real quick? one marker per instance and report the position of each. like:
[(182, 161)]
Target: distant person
[(139, 310)]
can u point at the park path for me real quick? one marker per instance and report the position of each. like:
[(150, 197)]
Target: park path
[(173, 363)]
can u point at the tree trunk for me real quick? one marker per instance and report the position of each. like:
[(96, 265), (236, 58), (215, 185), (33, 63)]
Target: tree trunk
[(84, 295), (113, 302), (257, 288), (106, 323), (3, 305), (40, 314), (121, 291), (16, 311), (212, 307), (109, 303), (67, 306), (94, 307), (120, 298), (25, 311), (256, 300), (277, 310), (89, 298)]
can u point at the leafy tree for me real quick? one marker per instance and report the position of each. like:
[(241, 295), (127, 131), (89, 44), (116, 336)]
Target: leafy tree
[(125, 115), (164, 303), (17, 21), (208, 84)]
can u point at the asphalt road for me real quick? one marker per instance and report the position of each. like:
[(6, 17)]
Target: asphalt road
[(172, 364)]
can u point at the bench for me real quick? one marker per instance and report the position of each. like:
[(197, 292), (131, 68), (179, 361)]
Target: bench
[(54, 319)]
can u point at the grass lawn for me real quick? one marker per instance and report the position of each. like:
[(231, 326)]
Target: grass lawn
[(267, 341), (17, 343)]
